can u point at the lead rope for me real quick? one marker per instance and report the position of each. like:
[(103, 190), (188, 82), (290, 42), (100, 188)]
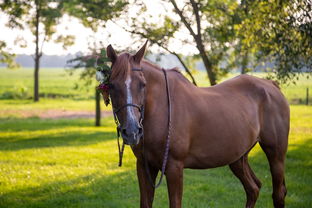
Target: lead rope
[(166, 154), (122, 147), (120, 150)]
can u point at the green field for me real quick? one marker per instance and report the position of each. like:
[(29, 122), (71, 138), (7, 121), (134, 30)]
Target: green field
[(58, 83), (70, 163), (53, 82)]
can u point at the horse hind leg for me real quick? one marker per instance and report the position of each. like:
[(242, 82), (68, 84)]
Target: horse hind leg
[(253, 175), (274, 130), (251, 183), (274, 142), (276, 159)]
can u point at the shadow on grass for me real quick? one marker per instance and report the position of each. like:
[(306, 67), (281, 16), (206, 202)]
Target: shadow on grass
[(94, 190), (299, 174), (220, 188), (202, 188), (37, 133), (72, 138), (34, 123)]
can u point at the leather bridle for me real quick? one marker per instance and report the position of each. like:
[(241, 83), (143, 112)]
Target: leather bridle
[(141, 110), (115, 111)]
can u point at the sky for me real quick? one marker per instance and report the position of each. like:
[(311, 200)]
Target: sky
[(84, 36), (69, 26)]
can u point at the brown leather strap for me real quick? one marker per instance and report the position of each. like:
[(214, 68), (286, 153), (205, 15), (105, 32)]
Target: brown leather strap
[(166, 153)]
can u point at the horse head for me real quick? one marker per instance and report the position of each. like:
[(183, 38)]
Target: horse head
[(127, 92)]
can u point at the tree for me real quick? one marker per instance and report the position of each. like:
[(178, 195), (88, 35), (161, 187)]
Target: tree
[(239, 56), (155, 34), (41, 16), (234, 34), (7, 57), (280, 33), (89, 63), (93, 14), (207, 25)]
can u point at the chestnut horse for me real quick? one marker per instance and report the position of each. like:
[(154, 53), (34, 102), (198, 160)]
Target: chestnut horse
[(209, 127)]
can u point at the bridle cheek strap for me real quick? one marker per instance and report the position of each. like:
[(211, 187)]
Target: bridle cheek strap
[(122, 147)]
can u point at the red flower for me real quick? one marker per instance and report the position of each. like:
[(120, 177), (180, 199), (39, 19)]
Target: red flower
[(103, 87)]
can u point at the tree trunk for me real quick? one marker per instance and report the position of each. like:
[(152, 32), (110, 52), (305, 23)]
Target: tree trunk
[(37, 55), (36, 80), (208, 66), (97, 108), (185, 67), (197, 37)]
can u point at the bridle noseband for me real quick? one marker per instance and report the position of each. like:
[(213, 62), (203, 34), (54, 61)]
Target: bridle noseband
[(121, 148), (141, 110)]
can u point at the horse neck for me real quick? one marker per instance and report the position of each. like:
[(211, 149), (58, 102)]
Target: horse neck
[(152, 73), (155, 88)]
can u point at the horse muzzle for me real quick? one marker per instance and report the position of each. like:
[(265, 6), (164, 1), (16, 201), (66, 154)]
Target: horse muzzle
[(131, 134)]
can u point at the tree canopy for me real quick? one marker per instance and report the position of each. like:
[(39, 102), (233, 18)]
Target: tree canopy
[(7, 57), (207, 25), (227, 34), (232, 34), (280, 33)]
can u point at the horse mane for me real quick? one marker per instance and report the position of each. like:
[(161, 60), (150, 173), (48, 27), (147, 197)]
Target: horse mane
[(151, 65), (120, 68), (180, 76)]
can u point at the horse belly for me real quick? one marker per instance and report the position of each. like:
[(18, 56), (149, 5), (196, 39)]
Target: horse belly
[(203, 158), (222, 142)]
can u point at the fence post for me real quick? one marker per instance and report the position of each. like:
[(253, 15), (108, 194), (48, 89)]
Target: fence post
[(307, 98)]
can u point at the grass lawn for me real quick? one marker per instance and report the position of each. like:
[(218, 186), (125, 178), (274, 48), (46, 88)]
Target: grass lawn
[(69, 163)]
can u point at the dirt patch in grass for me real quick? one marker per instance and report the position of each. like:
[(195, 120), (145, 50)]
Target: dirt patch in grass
[(51, 114)]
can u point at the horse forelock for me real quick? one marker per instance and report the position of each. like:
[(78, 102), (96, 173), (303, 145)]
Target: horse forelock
[(120, 68)]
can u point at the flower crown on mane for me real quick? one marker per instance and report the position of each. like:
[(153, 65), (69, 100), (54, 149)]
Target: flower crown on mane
[(103, 72)]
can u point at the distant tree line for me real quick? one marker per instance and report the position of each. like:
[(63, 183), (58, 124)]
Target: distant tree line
[(50, 61)]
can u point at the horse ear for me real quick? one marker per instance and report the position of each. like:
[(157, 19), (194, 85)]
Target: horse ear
[(139, 55), (111, 54)]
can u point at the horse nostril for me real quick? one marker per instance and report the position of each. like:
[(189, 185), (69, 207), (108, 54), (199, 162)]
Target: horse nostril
[(124, 131), (140, 130)]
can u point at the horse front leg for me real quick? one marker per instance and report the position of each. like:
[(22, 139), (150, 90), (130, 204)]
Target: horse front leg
[(174, 177), (146, 188)]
